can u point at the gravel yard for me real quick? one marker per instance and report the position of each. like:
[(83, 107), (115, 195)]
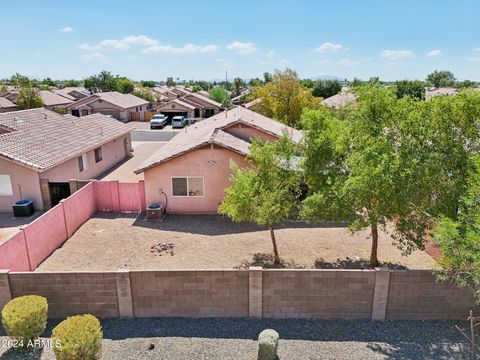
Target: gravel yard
[(225, 339), (113, 241)]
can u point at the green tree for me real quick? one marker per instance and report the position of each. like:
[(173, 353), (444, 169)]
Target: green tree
[(49, 82), (19, 80), (147, 83), (220, 95), (124, 85), (71, 83), (442, 78), (28, 99), (459, 238), (465, 84), (237, 82), (284, 98), (391, 161), (267, 77), (308, 83), (326, 88), (415, 89), (267, 192), (102, 82), (145, 94)]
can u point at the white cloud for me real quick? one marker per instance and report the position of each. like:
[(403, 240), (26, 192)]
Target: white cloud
[(328, 47), (188, 48), (242, 48), (270, 54), (121, 44), (66, 29), (96, 56), (435, 53), (397, 54), (476, 49)]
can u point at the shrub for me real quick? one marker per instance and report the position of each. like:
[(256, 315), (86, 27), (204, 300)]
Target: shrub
[(79, 338), (25, 317), (267, 345)]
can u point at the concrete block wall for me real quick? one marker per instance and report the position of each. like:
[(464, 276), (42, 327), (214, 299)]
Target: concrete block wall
[(190, 293), (70, 293), (342, 294), (414, 294)]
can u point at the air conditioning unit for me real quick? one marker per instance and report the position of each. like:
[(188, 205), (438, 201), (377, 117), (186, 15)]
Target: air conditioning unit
[(155, 211)]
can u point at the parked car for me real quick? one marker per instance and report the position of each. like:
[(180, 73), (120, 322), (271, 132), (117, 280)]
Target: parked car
[(179, 121), (158, 121)]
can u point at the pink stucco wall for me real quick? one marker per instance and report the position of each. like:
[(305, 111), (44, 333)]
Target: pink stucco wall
[(78, 208), (13, 253), (45, 234), (115, 196), (211, 164), (36, 241), (247, 133), (24, 181)]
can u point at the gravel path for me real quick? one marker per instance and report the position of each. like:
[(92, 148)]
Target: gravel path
[(113, 241), (222, 339)]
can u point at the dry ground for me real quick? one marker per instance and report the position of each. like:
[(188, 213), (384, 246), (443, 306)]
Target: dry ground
[(113, 241)]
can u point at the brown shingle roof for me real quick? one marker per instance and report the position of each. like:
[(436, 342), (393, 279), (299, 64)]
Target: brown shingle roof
[(42, 139), (210, 131)]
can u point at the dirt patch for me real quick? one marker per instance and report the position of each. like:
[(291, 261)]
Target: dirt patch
[(114, 241)]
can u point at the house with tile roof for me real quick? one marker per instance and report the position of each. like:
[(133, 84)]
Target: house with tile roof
[(7, 105), (123, 107), (52, 101), (190, 173), (41, 150), (72, 92), (192, 105)]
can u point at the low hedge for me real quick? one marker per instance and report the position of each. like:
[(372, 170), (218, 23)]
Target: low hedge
[(25, 317), (79, 338)]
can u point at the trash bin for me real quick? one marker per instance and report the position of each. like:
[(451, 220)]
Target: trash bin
[(23, 208)]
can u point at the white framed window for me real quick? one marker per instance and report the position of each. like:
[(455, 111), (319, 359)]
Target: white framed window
[(5, 185), (187, 186)]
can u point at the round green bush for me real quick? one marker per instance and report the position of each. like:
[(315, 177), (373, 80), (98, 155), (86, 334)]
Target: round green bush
[(78, 338), (25, 317)]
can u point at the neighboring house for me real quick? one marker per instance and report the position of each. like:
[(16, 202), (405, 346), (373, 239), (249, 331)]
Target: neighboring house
[(171, 93), (7, 105), (124, 107), (339, 101), (251, 105), (73, 92), (191, 105), (430, 93), (40, 151), (191, 172), (52, 101)]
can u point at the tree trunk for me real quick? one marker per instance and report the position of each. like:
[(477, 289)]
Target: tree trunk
[(373, 253), (274, 243)]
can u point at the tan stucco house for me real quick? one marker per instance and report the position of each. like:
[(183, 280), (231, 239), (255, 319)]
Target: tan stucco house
[(124, 107), (191, 105), (190, 173), (40, 151)]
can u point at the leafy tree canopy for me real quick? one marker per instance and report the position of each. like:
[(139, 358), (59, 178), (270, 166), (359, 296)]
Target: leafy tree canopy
[(28, 99), (284, 98), (267, 192), (391, 161), (415, 89), (442, 78), (220, 95), (326, 88)]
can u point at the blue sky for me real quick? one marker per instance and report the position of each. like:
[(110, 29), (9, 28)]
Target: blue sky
[(201, 39)]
